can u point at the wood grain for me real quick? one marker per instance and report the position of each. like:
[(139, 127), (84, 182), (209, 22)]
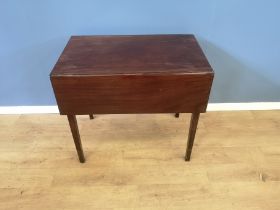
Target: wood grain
[(131, 74), (132, 94), (131, 55), (235, 164)]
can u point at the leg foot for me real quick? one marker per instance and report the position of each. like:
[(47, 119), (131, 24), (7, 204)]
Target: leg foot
[(192, 131), (177, 115), (91, 116), (76, 136)]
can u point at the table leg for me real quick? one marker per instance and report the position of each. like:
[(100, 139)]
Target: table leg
[(91, 116), (192, 130), (177, 115), (76, 136)]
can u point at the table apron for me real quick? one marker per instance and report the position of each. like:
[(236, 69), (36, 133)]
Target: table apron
[(124, 94)]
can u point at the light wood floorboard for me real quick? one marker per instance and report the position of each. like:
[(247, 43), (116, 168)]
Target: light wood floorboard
[(137, 162)]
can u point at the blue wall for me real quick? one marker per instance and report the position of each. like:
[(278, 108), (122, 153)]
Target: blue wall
[(240, 38)]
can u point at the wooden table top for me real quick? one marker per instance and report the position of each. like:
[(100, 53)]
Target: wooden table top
[(132, 55)]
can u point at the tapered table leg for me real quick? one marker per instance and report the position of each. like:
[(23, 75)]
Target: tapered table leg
[(91, 116), (76, 136), (192, 131), (177, 115)]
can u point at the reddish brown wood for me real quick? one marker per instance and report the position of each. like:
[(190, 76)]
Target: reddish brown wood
[(76, 136), (120, 94), (192, 131), (131, 55), (131, 74)]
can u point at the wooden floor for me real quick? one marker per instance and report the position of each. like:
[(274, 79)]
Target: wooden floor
[(137, 162)]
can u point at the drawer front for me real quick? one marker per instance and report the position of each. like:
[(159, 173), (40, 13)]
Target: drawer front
[(132, 93)]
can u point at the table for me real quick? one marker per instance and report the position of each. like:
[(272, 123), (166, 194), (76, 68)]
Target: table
[(132, 74)]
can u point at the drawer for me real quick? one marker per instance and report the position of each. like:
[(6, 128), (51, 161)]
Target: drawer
[(124, 94)]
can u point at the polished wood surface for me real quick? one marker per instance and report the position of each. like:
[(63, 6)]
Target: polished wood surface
[(132, 94), (132, 74), (76, 136), (131, 55), (137, 162), (192, 131)]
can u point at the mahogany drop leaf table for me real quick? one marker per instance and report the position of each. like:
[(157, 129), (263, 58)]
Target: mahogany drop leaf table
[(132, 74)]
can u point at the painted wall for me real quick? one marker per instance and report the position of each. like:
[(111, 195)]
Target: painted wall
[(240, 38)]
